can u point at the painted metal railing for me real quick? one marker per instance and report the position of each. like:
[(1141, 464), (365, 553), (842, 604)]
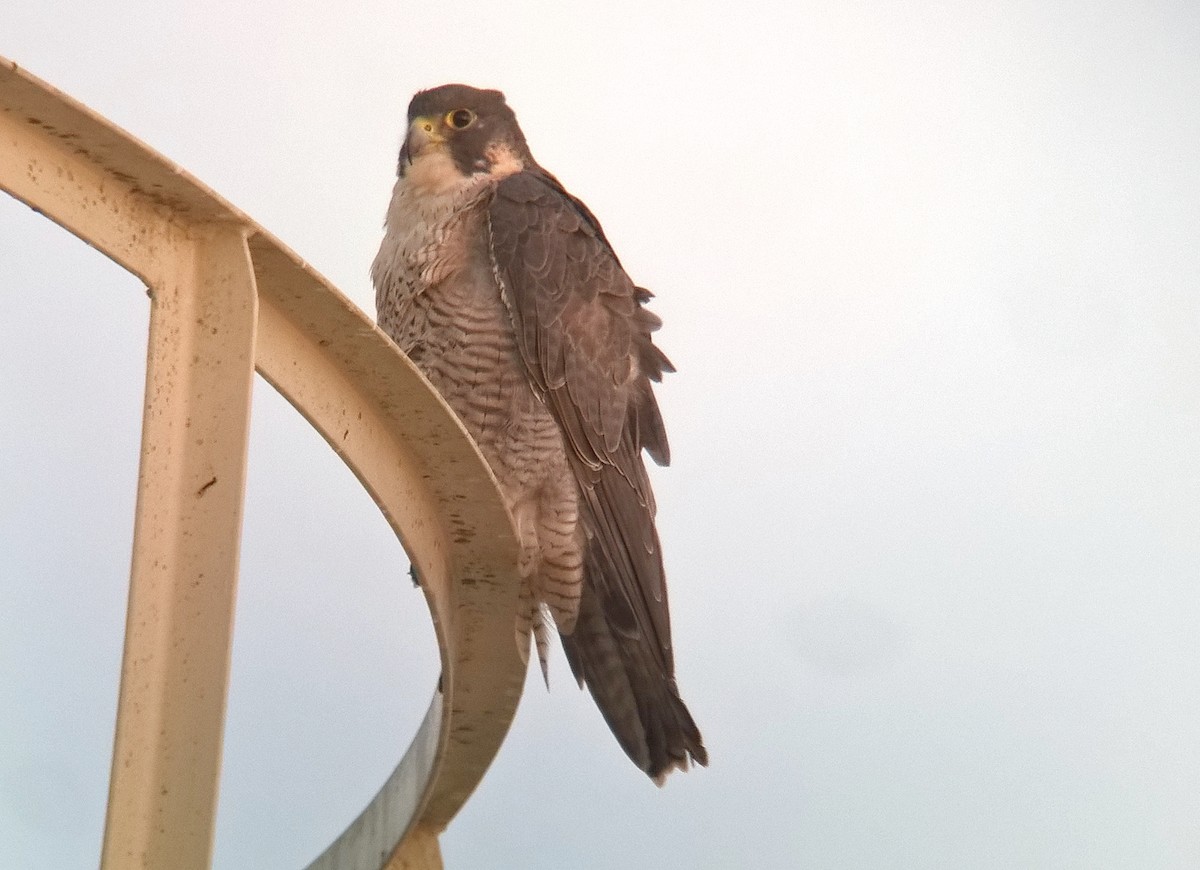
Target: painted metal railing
[(228, 299)]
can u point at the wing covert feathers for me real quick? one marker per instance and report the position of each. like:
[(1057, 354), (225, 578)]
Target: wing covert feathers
[(584, 337)]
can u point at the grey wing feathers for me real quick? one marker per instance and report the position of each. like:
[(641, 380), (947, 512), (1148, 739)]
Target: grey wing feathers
[(574, 313), (585, 339)]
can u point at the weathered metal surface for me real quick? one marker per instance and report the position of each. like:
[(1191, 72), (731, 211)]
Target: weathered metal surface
[(226, 292), (175, 671)]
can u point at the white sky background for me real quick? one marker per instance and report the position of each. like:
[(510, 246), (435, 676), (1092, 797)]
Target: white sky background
[(931, 279)]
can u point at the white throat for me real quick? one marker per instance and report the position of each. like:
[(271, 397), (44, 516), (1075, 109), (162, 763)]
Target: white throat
[(426, 204)]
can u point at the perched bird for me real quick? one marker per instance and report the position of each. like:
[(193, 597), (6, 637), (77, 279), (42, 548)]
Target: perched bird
[(502, 288)]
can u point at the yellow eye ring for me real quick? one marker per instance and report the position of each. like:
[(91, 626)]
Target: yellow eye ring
[(460, 119)]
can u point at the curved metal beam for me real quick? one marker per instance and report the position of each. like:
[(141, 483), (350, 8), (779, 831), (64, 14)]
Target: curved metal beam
[(225, 292)]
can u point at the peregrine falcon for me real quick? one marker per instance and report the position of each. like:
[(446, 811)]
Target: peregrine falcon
[(502, 287)]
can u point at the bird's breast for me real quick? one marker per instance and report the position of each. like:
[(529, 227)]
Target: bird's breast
[(437, 296)]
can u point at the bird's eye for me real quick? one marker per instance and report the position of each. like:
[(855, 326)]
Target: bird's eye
[(460, 119)]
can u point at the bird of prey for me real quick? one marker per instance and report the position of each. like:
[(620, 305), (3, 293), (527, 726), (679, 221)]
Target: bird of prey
[(503, 289)]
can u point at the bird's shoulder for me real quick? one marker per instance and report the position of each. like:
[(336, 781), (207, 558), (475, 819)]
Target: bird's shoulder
[(534, 200), (580, 322)]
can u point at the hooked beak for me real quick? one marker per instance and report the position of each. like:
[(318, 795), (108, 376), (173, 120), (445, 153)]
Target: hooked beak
[(422, 134)]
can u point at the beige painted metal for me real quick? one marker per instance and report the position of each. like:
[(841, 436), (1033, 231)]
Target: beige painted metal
[(185, 547), (226, 298)]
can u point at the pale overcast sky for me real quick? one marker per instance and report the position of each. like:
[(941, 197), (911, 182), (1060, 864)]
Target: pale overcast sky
[(930, 273)]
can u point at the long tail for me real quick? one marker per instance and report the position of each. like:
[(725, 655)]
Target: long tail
[(639, 702)]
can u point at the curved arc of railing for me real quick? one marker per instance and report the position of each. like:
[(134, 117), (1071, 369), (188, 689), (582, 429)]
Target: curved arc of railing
[(229, 295)]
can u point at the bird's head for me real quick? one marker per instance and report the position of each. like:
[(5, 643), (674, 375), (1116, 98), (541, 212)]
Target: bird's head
[(463, 130)]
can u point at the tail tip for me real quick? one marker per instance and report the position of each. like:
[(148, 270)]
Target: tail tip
[(694, 756)]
